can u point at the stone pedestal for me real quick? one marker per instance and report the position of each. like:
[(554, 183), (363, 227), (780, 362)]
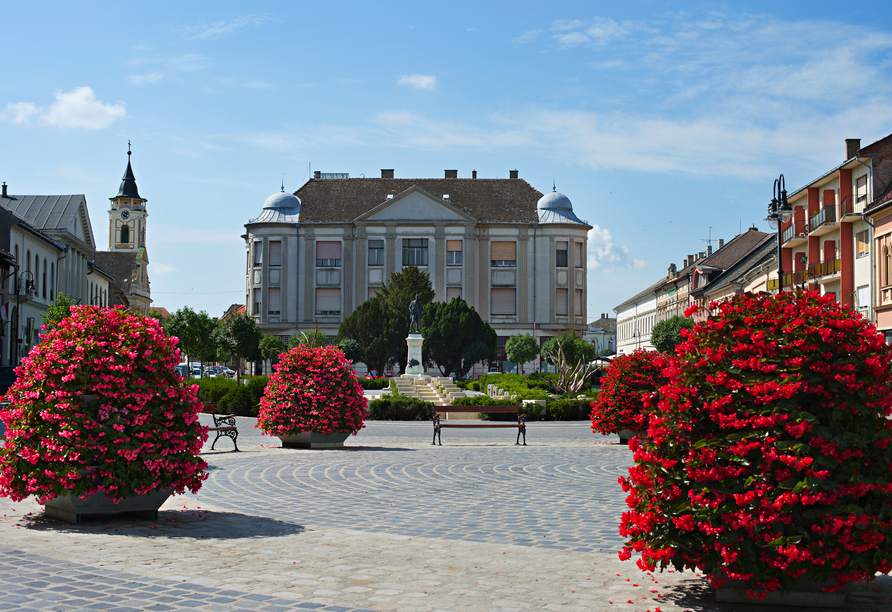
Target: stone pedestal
[(70, 508), (314, 440), (414, 341)]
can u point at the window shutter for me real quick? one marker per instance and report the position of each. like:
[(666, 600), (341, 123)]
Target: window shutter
[(503, 302), (577, 246), (275, 300), (561, 303), (452, 292), (577, 302), (328, 250), (504, 251), (453, 245), (275, 253), (258, 253), (328, 300)]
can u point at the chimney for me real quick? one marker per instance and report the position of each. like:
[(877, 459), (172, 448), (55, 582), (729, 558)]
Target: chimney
[(386, 173), (853, 145), (452, 174), (690, 260), (671, 272), (317, 174), (721, 242), (708, 250), (512, 174), (4, 189), (473, 174)]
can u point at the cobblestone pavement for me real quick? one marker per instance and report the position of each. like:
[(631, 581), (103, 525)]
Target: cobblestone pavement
[(389, 523)]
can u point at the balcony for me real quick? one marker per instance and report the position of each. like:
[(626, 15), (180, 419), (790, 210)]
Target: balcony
[(824, 221), (821, 272), (852, 208), (796, 234)]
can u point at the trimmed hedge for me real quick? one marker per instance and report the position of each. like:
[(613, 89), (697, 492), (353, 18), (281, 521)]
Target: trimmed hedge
[(374, 384), (229, 397), (569, 410), (391, 408), (515, 384)]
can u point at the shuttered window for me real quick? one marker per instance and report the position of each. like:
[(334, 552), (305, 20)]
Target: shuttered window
[(577, 302), (504, 254), (503, 302), (577, 248), (561, 255), (453, 253), (328, 301), (373, 291), (275, 253), (863, 297), (258, 253), (328, 254), (560, 306), (452, 292), (275, 300)]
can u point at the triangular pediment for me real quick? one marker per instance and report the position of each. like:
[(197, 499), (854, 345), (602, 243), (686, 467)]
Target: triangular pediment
[(416, 204)]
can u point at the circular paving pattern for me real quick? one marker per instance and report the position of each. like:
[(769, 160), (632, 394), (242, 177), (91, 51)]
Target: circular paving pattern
[(476, 489)]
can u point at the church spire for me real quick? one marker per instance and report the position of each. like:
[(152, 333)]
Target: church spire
[(128, 183)]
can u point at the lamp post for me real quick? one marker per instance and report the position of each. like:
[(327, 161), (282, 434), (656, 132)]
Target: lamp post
[(779, 212)]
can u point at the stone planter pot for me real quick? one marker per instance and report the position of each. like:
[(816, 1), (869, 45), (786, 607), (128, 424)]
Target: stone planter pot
[(314, 440), (70, 508), (805, 593), (626, 434)]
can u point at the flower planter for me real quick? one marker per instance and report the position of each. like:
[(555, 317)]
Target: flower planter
[(70, 508), (626, 434), (805, 594), (314, 440)]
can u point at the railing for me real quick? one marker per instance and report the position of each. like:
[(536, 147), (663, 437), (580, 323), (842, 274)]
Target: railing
[(825, 215), (795, 229), (825, 268), (851, 205), (815, 271)]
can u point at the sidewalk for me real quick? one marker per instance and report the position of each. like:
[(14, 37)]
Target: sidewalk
[(392, 523)]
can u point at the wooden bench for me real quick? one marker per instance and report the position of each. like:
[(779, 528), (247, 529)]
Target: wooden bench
[(224, 426), (521, 423)]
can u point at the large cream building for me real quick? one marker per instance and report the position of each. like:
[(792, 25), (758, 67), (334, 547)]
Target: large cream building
[(517, 256)]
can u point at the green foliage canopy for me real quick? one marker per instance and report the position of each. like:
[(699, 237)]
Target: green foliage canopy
[(58, 310), (240, 335), (455, 337), (376, 328), (666, 335), (521, 348)]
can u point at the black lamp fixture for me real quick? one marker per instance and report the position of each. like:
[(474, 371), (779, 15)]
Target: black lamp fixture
[(779, 212)]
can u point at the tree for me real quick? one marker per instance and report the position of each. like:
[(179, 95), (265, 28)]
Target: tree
[(58, 310), (312, 339), (666, 335), (375, 326), (455, 337), (574, 350), (195, 331), (240, 336), (271, 347), (351, 349), (398, 294), (521, 348)]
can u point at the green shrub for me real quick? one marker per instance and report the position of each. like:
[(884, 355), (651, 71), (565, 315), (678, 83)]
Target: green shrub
[(569, 409), (212, 390), (390, 408), (240, 401), (256, 385), (374, 384), (515, 384), (485, 400), (394, 390)]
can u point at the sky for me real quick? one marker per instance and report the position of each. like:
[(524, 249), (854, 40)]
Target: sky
[(665, 123)]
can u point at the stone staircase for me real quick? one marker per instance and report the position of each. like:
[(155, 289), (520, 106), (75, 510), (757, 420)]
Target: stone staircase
[(439, 391)]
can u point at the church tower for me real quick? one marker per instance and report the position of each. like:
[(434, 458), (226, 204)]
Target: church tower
[(127, 215)]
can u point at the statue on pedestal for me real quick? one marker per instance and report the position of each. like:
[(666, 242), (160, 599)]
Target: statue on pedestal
[(415, 313)]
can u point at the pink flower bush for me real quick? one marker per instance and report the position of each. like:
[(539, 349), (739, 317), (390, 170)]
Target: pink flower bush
[(627, 382), (313, 390), (141, 434), (768, 455)]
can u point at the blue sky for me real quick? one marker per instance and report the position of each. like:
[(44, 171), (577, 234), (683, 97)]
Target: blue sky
[(663, 122)]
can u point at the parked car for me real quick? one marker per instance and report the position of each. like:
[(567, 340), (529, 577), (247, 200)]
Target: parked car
[(196, 370), (213, 371), (182, 370), (227, 372)]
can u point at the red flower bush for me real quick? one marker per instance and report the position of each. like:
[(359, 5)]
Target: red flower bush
[(313, 390), (624, 386), (140, 435), (768, 456)]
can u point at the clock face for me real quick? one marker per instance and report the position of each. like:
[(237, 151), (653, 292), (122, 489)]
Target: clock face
[(125, 214)]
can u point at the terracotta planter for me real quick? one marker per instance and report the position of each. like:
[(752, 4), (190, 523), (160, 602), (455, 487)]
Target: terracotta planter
[(70, 508), (626, 434), (314, 440), (805, 593)]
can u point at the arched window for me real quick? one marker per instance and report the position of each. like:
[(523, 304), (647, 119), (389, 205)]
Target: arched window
[(125, 234)]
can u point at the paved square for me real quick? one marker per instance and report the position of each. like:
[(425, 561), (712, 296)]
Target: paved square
[(389, 523)]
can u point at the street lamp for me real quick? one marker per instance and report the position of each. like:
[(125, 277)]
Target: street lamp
[(779, 212)]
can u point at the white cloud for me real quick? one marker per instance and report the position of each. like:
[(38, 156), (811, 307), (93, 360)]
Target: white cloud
[(421, 81), (160, 269), (19, 113), (604, 254), (206, 31), (526, 37), (145, 79), (572, 39), (79, 108), (157, 68), (566, 24)]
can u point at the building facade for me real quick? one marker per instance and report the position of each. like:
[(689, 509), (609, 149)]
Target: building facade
[(517, 256)]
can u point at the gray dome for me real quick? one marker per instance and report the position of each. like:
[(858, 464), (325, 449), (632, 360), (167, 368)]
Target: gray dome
[(554, 201), (283, 201), (555, 207)]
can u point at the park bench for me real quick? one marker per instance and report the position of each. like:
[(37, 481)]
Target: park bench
[(224, 426), (521, 424)]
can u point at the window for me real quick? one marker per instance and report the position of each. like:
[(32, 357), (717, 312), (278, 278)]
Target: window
[(504, 254), (373, 291), (275, 300), (328, 302), (414, 251), (328, 254), (44, 279), (887, 267), (52, 281), (863, 297), (125, 234), (452, 292), (561, 307), (861, 189), (861, 245), (275, 252), (258, 253), (376, 252), (256, 302), (453, 252), (577, 251), (577, 302), (503, 301), (561, 258)]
